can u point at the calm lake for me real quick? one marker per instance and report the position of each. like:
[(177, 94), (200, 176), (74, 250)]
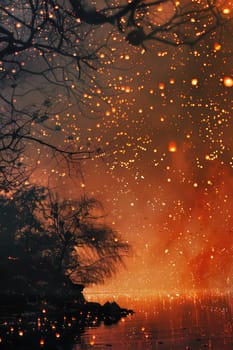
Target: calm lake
[(168, 323), (163, 323)]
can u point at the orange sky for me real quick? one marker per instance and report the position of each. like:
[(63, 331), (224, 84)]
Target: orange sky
[(163, 170)]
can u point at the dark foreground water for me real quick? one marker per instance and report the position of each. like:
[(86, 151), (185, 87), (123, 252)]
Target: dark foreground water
[(166, 323)]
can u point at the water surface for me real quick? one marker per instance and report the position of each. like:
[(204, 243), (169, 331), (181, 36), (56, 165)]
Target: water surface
[(163, 323), (167, 323)]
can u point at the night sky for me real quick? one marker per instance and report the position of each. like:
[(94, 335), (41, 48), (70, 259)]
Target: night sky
[(168, 183), (160, 121)]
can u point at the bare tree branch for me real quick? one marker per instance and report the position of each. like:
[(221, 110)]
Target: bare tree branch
[(49, 49)]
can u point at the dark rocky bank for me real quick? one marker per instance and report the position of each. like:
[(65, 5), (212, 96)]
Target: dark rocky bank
[(52, 323)]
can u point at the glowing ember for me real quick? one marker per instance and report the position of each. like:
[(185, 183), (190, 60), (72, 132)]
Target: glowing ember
[(226, 11), (228, 81), (172, 147), (217, 46), (194, 81), (161, 86)]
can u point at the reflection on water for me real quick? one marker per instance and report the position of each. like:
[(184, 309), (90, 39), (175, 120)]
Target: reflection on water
[(166, 323)]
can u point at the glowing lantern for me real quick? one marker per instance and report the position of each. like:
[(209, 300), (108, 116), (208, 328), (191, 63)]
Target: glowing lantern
[(161, 86), (194, 81), (42, 342), (226, 11), (228, 81), (217, 46), (172, 146)]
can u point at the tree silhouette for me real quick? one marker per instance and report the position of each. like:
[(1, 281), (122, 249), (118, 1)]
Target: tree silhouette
[(48, 247), (48, 49), (19, 227), (88, 250)]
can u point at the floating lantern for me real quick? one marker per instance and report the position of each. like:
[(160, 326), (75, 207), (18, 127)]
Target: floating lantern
[(217, 47), (228, 81), (161, 86), (172, 146), (194, 81)]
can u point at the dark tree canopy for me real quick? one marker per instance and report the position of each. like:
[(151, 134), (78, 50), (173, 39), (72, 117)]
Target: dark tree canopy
[(48, 246)]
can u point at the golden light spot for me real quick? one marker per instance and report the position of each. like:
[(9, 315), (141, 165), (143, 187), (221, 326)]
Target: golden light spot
[(194, 81), (226, 11), (127, 89), (228, 81), (172, 146), (161, 86), (217, 47)]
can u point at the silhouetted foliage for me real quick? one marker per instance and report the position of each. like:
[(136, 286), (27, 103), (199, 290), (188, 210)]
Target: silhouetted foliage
[(48, 246)]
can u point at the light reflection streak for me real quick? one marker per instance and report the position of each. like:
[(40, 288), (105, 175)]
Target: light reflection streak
[(174, 322)]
